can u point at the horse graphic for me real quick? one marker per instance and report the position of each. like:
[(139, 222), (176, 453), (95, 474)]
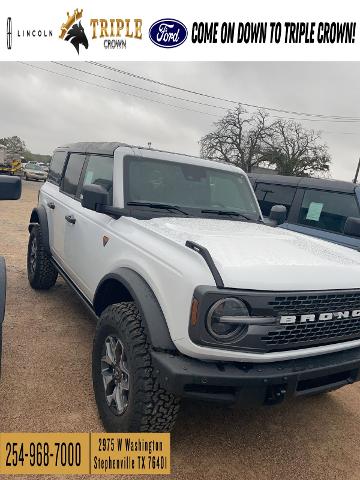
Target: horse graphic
[(76, 35)]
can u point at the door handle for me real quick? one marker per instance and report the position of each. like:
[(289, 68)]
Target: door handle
[(51, 205), (70, 219)]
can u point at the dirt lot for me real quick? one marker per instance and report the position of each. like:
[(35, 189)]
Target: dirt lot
[(46, 386)]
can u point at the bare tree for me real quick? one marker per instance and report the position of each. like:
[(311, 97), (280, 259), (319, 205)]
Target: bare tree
[(249, 140), (237, 138), (294, 150)]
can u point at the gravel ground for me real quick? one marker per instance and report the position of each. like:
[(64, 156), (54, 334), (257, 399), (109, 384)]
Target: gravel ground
[(46, 386)]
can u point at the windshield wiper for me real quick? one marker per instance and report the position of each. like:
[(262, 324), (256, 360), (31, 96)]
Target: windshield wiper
[(163, 206), (227, 212)]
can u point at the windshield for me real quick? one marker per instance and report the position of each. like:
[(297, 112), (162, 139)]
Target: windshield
[(191, 187), (34, 167)]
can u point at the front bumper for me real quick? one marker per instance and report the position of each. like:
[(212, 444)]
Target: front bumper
[(267, 383)]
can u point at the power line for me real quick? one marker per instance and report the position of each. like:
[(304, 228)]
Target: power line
[(325, 132), (201, 103), (313, 119), (115, 90), (237, 102), (137, 87), (160, 102)]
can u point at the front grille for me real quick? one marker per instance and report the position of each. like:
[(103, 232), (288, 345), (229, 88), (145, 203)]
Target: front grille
[(303, 304), (314, 333), (318, 332)]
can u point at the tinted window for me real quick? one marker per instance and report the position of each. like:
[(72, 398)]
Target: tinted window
[(72, 173), (269, 195), (327, 210), (225, 191), (56, 167), (188, 185), (99, 171)]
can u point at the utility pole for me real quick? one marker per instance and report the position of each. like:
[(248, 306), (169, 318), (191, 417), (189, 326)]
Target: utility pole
[(149, 146), (357, 172)]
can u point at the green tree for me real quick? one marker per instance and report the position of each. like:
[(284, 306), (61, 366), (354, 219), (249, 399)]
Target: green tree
[(13, 144)]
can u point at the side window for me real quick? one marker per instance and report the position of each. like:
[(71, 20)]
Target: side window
[(269, 195), (327, 210), (72, 173), (56, 167), (99, 171)]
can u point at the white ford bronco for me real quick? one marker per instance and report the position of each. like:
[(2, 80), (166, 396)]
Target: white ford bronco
[(195, 296)]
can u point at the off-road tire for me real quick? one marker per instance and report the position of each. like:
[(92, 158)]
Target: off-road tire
[(43, 274), (150, 407)]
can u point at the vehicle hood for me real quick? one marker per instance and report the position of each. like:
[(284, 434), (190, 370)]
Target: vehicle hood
[(255, 256), (36, 172)]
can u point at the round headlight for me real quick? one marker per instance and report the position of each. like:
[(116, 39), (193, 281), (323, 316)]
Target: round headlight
[(226, 307)]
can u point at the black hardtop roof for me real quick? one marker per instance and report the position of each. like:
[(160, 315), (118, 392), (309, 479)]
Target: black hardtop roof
[(108, 148), (307, 182), (105, 148)]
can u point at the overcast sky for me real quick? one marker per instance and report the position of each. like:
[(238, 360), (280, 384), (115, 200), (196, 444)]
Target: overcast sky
[(48, 110)]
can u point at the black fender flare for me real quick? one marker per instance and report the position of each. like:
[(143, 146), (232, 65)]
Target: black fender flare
[(153, 318), (2, 290), (39, 216)]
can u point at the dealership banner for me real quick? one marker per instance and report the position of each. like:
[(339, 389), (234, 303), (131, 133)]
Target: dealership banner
[(84, 453), (140, 30)]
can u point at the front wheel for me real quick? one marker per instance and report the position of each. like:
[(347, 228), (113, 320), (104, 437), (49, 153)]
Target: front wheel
[(42, 274), (127, 392)]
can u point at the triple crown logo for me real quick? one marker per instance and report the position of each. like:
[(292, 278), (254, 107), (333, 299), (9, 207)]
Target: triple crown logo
[(73, 31)]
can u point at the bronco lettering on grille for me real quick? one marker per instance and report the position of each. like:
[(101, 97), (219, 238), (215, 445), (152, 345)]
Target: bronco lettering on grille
[(288, 319)]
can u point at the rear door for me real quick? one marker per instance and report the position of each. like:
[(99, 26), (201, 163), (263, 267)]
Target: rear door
[(85, 239), (49, 197), (64, 203), (323, 214)]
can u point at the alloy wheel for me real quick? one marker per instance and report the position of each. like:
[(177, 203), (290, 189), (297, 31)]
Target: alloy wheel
[(33, 255), (115, 374)]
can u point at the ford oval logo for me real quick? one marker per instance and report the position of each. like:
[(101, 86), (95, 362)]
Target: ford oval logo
[(168, 33)]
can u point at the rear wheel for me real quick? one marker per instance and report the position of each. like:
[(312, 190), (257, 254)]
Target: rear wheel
[(42, 274), (127, 392)]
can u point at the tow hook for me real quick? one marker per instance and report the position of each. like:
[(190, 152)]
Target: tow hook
[(275, 394)]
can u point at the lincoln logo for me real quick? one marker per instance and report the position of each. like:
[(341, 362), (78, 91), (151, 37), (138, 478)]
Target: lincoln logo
[(290, 319), (9, 33)]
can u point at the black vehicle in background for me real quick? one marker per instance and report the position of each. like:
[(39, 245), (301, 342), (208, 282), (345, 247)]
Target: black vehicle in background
[(10, 189), (327, 209)]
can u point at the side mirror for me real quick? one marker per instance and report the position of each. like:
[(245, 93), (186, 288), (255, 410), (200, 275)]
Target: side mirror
[(93, 196), (278, 214), (10, 188), (352, 227)]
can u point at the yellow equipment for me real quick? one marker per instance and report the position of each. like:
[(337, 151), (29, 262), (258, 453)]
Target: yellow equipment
[(10, 163)]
